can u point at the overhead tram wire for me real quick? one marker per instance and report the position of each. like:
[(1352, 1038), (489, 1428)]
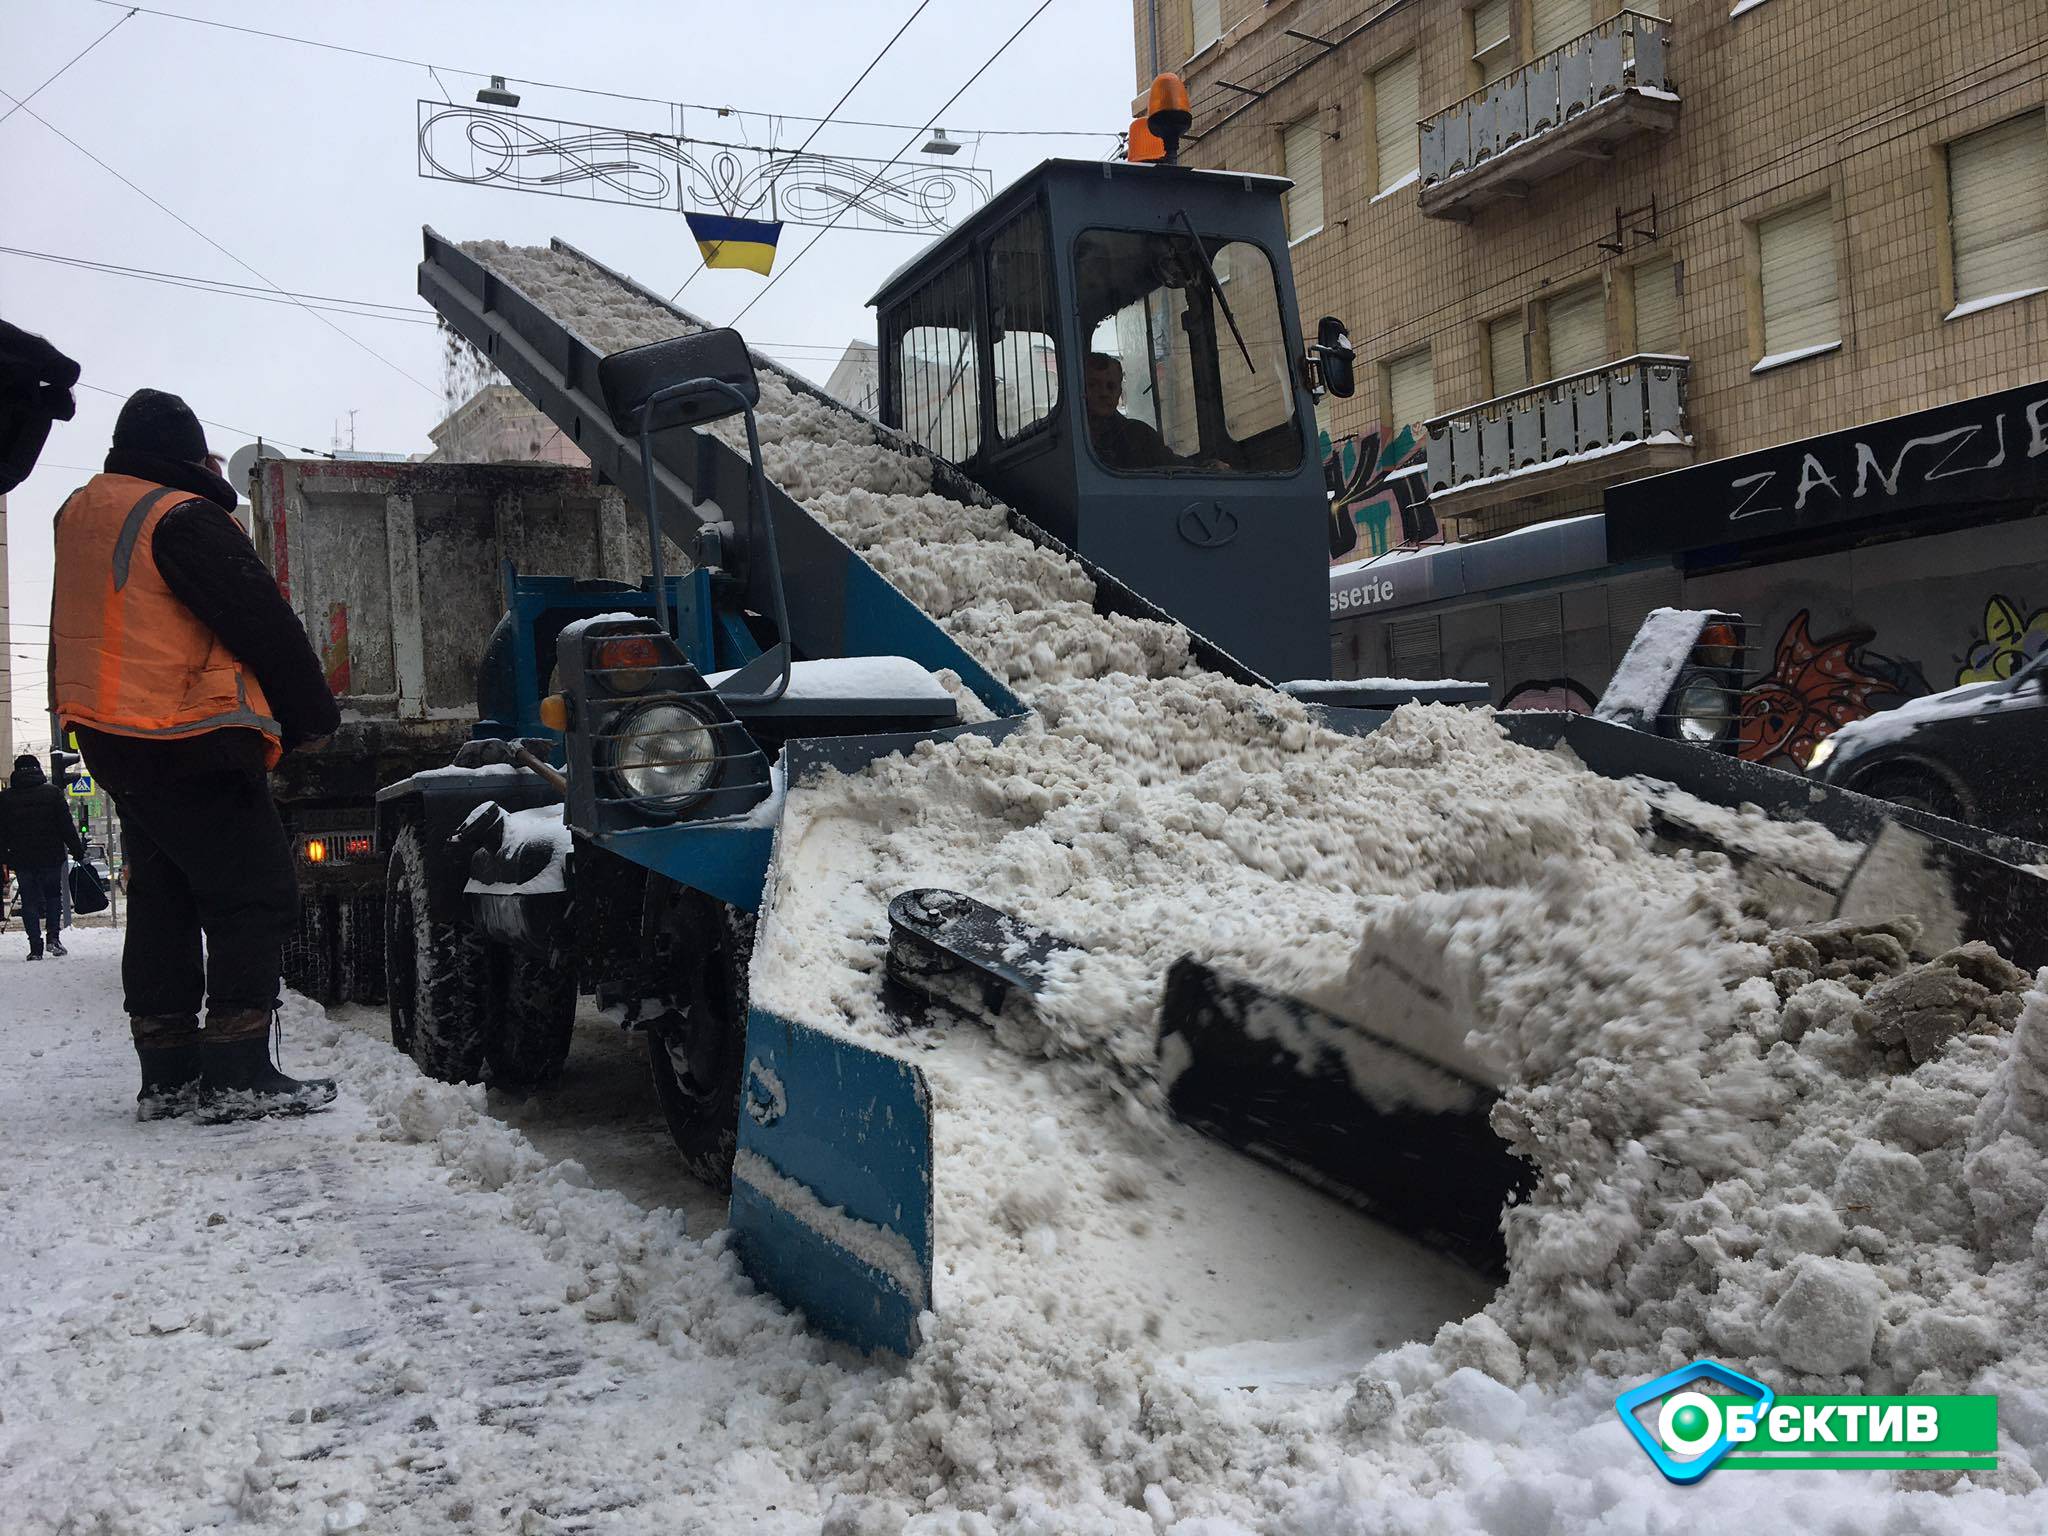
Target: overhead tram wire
[(581, 90), (88, 48), (811, 245), (705, 266), (354, 341), (101, 389)]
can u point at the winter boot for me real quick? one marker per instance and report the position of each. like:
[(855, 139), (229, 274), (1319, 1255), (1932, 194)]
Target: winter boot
[(242, 1081), (57, 946), (167, 1045)]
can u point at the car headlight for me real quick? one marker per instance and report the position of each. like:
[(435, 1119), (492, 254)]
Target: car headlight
[(1822, 751), (1702, 708), (665, 753)]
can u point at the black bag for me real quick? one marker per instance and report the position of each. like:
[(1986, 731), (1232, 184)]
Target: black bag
[(88, 891)]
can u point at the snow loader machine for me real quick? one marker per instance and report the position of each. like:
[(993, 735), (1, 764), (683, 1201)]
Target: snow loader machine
[(609, 830)]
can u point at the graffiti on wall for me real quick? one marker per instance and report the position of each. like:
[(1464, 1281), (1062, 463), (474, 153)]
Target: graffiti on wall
[(1814, 688), (1372, 507), (2010, 639)]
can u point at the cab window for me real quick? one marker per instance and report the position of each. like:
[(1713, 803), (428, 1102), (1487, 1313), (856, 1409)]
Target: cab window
[(1187, 369)]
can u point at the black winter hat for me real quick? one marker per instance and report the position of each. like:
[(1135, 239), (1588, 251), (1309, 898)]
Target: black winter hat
[(159, 423)]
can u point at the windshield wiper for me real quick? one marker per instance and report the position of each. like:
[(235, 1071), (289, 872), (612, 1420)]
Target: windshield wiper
[(1216, 287)]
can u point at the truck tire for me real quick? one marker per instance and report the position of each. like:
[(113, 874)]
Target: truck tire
[(533, 1015), (307, 962), (697, 1044), (437, 975)]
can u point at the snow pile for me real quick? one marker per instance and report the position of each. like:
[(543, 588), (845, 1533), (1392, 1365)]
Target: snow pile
[(1789, 1147)]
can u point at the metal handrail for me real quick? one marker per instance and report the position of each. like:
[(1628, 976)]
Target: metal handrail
[(1638, 358), (1527, 64)]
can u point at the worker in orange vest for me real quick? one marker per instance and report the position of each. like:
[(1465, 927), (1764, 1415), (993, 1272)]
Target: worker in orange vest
[(185, 675)]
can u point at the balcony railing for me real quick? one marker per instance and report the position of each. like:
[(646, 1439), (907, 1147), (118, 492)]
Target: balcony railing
[(1621, 61), (1604, 411)]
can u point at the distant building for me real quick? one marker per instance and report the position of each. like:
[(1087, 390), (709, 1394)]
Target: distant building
[(857, 379), (499, 425)]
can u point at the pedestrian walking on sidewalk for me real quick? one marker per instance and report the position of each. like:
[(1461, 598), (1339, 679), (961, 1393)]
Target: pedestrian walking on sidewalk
[(186, 675), (35, 832)]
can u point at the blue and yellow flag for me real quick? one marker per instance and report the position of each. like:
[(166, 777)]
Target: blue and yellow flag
[(729, 242)]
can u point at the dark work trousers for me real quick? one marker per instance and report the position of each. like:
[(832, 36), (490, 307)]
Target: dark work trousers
[(206, 855), (42, 902)]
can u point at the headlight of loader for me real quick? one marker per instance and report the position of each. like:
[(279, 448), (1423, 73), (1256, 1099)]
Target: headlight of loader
[(1702, 708), (665, 753)]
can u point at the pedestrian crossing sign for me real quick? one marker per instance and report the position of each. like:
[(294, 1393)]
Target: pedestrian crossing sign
[(79, 787)]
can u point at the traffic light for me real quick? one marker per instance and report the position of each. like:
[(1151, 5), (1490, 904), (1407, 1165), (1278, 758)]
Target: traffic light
[(65, 766)]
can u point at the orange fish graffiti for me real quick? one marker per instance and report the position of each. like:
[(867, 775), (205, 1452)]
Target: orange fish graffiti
[(1812, 690)]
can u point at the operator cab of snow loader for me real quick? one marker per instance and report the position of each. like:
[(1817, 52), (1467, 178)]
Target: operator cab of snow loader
[(1113, 348)]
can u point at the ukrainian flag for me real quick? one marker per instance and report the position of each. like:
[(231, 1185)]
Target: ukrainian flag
[(729, 242)]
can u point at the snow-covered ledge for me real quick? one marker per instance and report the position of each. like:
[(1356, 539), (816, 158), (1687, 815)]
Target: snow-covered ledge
[(1796, 355), (1991, 301)]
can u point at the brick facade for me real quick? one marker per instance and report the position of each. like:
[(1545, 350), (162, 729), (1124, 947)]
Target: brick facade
[(1779, 104)]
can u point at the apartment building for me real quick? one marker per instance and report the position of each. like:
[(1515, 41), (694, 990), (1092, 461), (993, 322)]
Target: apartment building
[(1577, 243)]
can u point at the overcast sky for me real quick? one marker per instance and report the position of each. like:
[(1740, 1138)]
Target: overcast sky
[(303, 163)]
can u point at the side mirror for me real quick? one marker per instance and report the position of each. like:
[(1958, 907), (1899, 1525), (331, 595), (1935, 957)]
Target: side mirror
[(682, 382), (1336, 363)]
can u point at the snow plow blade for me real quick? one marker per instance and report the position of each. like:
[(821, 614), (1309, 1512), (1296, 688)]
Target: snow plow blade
[(1358, 1116), (1960, 881), (1361, 1117), (832, 1182)]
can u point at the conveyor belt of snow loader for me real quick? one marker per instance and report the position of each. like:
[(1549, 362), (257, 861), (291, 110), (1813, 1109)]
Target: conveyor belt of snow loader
[(699, 479)]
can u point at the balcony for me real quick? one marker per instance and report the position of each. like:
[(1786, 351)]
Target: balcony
[(1573, 105), (1616, 422)]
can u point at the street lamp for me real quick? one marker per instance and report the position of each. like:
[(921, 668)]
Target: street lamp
[(939, 144), (495, 94)]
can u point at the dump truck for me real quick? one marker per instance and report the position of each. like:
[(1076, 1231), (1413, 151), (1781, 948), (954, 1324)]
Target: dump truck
[(613, 832), (398, 572)]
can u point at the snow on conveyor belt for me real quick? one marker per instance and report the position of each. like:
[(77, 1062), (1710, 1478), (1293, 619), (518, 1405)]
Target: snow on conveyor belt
[(1799, 1152)]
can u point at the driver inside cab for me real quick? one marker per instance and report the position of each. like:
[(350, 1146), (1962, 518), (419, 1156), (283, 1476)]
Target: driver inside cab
[(1120, 442)]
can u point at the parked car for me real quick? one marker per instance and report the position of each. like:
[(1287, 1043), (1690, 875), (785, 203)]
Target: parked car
[(1972, 753)]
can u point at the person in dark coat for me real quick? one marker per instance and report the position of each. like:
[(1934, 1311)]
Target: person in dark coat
[(36, 831), (35, 390), (186, 675)]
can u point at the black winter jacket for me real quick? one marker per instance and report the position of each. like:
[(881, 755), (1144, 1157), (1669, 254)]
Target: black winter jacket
[(35, 824), (212, 568)]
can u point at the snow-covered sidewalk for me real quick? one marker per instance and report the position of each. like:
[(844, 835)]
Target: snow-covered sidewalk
[(392, 1317), (400, 1317)]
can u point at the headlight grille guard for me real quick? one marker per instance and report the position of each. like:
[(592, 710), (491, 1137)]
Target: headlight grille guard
[(605, 699)]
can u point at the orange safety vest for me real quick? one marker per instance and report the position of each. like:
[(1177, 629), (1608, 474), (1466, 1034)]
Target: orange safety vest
[(127, 657)]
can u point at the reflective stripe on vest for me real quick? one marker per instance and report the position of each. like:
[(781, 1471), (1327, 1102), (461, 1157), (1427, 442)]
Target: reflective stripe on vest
[(127, 657)]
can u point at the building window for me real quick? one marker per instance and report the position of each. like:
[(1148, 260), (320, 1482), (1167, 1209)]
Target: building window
[(1998, 212), (1205, 23), (1557, 22), (1409, 387), (1302, 150), (1395, 107), (1025, 364), (1796, 284), (1493, 45), (1575, 330), (1507, 355), (1656, 293)]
